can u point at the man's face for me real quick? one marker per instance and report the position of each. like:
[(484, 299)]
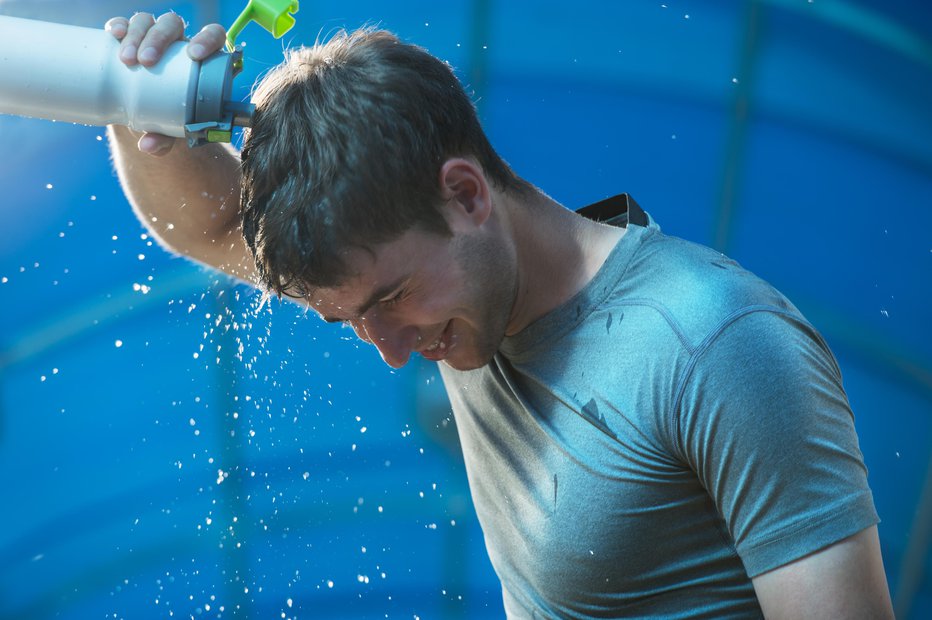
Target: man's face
[(447, 298)]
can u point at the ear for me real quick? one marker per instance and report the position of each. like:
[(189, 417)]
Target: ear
[(465, 191)]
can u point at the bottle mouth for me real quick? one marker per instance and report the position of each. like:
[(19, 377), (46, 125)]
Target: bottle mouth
[(214, 112)]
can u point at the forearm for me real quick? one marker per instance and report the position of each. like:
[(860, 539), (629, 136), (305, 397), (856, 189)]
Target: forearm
[(187, 198)]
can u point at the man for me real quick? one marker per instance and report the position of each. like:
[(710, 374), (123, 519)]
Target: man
[(648, 429)]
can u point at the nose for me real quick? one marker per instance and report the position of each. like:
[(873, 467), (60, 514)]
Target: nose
[(394, 342)]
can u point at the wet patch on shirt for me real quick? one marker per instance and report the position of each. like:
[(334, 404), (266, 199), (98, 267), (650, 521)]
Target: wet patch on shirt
[(591, 409), (611, 320), (554, 492)]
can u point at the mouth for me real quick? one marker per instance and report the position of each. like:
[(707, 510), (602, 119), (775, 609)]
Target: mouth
[(439, 348)]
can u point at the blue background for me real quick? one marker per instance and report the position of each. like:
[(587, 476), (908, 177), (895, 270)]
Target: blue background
[(169, 448)]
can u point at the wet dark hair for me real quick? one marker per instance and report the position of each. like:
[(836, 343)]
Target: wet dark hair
[(345, 151)]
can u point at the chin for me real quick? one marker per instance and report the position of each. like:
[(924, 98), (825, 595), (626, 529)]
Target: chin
[(471, 349), (469, 360), (463, 365)]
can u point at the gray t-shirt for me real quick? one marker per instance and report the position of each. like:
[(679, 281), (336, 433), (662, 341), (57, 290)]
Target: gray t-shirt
[(674, 429)]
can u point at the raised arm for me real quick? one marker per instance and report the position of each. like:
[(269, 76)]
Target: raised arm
[(188, 198)]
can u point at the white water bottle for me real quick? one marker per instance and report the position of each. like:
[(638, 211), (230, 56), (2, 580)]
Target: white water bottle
[(73, 74)]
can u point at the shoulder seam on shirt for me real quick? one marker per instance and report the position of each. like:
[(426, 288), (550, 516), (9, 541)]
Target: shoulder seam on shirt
[(696, 353), (674, 325)]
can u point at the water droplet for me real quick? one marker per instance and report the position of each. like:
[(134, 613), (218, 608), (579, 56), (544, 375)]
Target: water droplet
[(118, 343), (49, 186)]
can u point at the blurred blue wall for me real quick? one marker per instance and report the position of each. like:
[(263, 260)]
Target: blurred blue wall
[(169, 448)]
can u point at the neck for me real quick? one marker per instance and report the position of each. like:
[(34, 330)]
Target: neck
[(558, 253)]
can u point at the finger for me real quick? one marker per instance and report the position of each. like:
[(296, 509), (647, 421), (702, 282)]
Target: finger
[(167, 29), (138, 25), (155, 144), (117, 26), (210, 39)]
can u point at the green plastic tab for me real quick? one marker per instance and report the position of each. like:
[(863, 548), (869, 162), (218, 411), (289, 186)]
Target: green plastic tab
[(273, 15), (219, 135)]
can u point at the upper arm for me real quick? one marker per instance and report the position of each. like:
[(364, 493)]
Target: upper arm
[(188, 199), (767, 428), (845, 580)]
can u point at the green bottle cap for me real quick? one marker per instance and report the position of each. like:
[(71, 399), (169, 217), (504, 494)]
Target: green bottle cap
[(273, 15)]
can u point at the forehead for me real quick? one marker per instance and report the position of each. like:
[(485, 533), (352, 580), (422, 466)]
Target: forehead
[(340, 300)]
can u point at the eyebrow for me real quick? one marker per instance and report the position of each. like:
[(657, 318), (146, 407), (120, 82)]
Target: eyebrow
[(377, 295)]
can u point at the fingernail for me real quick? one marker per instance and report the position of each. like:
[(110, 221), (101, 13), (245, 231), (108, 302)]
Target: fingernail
[(129, 53), (147, 144), (196, 51), (153, 146), (148, 55)]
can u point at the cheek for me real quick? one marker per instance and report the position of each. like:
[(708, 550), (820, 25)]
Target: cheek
[(434, 301), (456, 283)]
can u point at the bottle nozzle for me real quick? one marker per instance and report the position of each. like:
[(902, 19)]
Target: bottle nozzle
[(273, 15)]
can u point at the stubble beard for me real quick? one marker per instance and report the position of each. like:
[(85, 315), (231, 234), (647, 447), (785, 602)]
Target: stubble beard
[(490, 274)]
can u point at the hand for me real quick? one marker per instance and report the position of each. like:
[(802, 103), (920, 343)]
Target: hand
[(143, 41)]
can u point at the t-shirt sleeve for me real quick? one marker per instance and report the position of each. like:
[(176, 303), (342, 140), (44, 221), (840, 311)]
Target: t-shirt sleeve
[(764, 421)]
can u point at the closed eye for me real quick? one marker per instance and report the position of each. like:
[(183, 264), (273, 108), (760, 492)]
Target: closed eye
[(330, 319), (394, 299)]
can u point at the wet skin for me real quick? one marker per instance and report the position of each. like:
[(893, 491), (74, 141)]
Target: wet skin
[(447, 298)]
